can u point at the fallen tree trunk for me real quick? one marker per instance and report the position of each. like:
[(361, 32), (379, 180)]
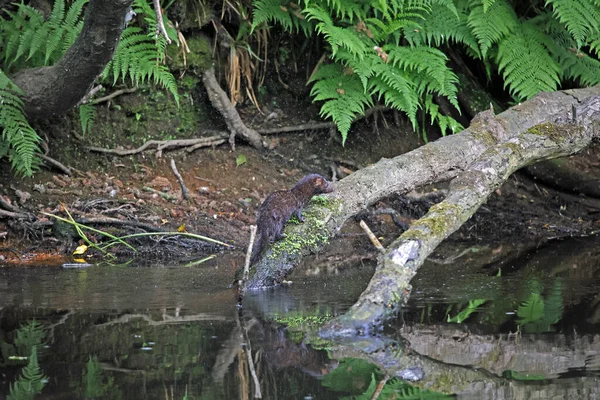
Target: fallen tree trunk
[(500, 145)]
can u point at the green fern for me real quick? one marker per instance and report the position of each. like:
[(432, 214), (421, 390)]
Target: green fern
[(525, 64), (368, 43), (19, 139), (491, 25), (139, 55), (30, 382), (434, 30), (343, 94), (87, 116), (285, 13), (31, 42), (581, 17)]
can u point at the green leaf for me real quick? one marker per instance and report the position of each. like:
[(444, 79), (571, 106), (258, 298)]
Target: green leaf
[(240, 160)]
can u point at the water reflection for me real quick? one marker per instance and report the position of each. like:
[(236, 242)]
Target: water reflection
[(529, 328)]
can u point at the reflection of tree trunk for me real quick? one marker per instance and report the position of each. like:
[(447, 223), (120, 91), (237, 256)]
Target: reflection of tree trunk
[(481, 158), (541, 355), (56, 89), (470, 376)]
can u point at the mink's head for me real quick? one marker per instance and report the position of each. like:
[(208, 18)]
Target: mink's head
[(318, 184)]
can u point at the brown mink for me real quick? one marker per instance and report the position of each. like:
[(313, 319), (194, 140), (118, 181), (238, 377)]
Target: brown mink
[(279, 207)]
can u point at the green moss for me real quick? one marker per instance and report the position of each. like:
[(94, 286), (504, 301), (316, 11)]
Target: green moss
[(198, 59), (437, 223), (551, 131), (321, 200), (312, 236), (483, 135), (516, 149)]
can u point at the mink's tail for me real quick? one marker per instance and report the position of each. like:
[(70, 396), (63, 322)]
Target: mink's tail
[(257, 250)]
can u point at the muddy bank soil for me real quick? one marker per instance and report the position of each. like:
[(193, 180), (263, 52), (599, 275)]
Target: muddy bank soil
[(226, 188)]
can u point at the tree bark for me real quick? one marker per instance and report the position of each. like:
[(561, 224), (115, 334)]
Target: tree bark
[(56, 89), (483, 157)]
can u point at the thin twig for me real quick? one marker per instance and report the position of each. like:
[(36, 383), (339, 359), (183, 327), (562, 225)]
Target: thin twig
[(379, 387), (317, 125), (242, 282), (257, 392), (164, 195), (294, 128), (90, 94), (114, 94), (66, 170), (253, 229), (10, 214), (160, 28), (8, 206), (372, 236), (184, 190)]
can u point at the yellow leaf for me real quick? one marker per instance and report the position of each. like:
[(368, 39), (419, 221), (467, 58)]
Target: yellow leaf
[(181, 228), (80, 250)]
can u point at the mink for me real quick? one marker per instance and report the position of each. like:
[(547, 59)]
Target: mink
[(279, 207)]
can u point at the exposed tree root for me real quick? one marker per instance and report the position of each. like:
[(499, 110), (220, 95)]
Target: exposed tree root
[(160, 145), (220, 101)]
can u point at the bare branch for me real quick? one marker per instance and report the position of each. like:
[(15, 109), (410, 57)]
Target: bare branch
[(160, 28)]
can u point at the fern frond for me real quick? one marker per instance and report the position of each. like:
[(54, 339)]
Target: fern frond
[(17, 135), (594, 43), (577, 66), (74, 13), (87, 116), (440, 27), (30, 382), (444, 122), (430, 63), (581, 17), (137, 58), (336, 36), (487, 4), (58, 13), (490, 26), (285, 13), (40, 42), (397, 90), (343, 94), (525, 64)]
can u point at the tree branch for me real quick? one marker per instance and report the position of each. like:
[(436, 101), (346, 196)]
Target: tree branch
[(56, 89)]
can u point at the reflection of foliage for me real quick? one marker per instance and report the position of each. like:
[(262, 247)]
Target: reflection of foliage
[(30, 382), (519, 376), (464, 314), (398, 389), (93, 384), (538, 314), (29, 336), (352, 375), (360, 377), (302, 321)]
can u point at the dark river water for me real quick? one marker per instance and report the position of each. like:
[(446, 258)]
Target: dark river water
[(524, 326)]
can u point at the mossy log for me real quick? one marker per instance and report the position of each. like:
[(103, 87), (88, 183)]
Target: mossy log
[(477, 160)]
